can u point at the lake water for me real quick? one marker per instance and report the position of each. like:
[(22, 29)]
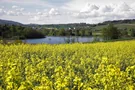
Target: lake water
[(59, 40)]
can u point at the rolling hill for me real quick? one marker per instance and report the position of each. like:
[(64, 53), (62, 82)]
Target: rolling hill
[(8, 22), (122, 24)]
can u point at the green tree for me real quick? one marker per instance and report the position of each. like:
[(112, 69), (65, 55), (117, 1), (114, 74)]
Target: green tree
[(61, 32), (82, 32), (0, 30), (131, 32), (124, 33), (110, 32), (88, 33), (30, 33), (68, 32), (5, 31), (76, 32), (52, 33)]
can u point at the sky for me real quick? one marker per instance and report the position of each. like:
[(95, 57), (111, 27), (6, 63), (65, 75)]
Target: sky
[(66, 11)]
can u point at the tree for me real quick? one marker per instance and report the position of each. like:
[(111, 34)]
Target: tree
[(61, 32), (68, 33), (52, 32), (110, 32), (0, 30), (88, 33), (5, 32), (30, 33), (131, 32), (76, 32), (124, 33), (82, 32)]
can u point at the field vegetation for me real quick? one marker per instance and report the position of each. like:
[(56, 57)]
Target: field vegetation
[(96, 66)]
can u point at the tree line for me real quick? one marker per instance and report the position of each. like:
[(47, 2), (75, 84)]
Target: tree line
[(19, 32), (112, 32), (67, 32)]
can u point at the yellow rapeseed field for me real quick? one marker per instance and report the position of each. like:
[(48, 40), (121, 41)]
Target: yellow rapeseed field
[(96, 66)]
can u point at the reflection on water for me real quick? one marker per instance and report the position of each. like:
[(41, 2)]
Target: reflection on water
[(59, 40)]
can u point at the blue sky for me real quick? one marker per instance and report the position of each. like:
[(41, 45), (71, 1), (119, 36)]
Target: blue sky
[(66, 11)]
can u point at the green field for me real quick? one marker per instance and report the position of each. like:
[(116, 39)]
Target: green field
[(120, 26)]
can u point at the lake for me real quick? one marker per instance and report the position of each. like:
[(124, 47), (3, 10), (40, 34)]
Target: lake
[(59, 40)]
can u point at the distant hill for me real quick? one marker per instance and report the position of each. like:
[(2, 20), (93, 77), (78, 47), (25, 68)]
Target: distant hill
[(8, 22), (128, 23)]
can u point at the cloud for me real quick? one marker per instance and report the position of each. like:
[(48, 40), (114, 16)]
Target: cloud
[(65, 11), (40, 16), (35, 18), (39, 13), (10, 12), (112, 12), (106, 8), (14, 7), (133, 6), (2, 12), (14, 11), (58, 2), (89, 7), (54, 12), (17, 8), (123, 7), (20, 9)]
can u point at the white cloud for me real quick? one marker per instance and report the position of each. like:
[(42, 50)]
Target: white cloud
[(122, 7), (11, 13), (112, 12), (40, 16), (75, 5), (35, 18), (39, 13), (20, 9), (106, 8), (14, 7), (17, 8), (133, 6), (2, 12), (89, 7), (74, 11), (14, 11), (53, 12)]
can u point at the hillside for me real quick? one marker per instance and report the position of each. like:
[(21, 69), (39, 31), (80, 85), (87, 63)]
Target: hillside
[(2, 22), (120, 26), (129, 23)]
